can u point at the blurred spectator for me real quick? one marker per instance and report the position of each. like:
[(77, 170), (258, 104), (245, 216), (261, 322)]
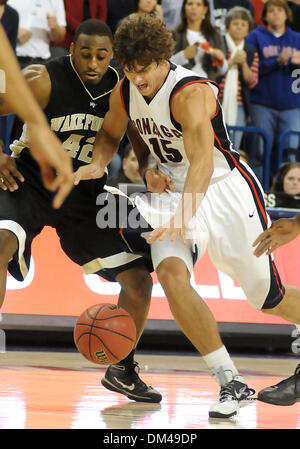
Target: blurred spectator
[(171, 12), (41, 21), (275, 104), (146, 7), (78, 11), (285, 188), (117, 10), (219, 10), (242, 73), (287, 180), (129, 172), (199, 46), (10, 22)]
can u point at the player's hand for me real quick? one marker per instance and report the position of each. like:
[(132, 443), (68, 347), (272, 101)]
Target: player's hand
[(55, 162), (168, 230), (89, 171), (9, 174), (281, 232), (158, 182)]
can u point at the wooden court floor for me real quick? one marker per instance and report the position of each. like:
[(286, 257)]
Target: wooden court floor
[(47, 390)]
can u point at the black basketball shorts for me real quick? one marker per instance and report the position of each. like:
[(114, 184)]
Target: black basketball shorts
[(100, 250)]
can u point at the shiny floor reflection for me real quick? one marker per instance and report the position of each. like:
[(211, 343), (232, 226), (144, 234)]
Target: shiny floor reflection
[(63, 391)]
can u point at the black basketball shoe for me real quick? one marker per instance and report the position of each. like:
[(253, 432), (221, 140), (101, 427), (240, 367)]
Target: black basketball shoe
[(286, 392), (125, 379)]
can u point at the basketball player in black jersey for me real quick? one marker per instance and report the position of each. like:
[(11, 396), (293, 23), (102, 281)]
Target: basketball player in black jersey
[(15, 92), (74, 93)]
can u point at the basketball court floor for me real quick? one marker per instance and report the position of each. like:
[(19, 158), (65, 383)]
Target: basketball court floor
[(48, 390)]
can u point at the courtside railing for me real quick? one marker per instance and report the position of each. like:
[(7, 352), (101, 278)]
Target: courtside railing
[(281, 144)]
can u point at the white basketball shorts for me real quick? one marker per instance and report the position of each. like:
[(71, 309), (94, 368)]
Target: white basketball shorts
[(231, 216)]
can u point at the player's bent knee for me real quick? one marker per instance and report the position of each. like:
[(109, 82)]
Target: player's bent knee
[(137, 283), (172, 280)]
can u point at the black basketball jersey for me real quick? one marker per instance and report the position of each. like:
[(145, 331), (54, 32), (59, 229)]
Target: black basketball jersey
[(75, 113)]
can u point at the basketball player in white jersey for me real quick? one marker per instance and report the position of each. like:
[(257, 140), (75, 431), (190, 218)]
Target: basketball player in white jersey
[(217, 203)]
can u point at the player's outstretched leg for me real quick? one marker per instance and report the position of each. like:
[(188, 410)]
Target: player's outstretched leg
[(233, 395), (286, 392), (123, 377), (199, 325)]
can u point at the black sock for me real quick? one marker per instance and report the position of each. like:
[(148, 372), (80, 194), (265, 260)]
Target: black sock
[(128, 360)]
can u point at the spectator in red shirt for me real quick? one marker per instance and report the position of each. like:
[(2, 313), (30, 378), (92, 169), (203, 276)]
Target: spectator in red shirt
[(258, 6), (77, 12)]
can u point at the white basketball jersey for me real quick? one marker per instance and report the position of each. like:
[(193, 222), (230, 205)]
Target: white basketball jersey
[(163, 134)]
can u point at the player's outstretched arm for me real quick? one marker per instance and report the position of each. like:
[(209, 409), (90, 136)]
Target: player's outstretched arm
[(155, 180), (107, 140), (55, 163), (192, 106), (281, 232)]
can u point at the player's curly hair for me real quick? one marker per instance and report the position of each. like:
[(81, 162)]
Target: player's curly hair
[(142, 39)]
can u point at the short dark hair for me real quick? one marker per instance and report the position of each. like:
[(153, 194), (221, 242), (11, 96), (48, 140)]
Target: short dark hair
[(281, 4), (142, 39), (93, 27)]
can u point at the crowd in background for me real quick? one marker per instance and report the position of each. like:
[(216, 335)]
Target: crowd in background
[(251, 48)]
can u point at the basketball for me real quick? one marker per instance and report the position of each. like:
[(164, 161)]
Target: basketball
[(105, 334)]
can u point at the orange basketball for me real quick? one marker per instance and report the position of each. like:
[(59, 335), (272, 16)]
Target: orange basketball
[(105, 334)]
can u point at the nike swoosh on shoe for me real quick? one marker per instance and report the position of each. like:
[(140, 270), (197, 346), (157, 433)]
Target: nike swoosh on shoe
[(128, 387)]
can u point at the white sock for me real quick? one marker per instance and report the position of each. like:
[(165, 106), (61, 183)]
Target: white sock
[(222, 367)]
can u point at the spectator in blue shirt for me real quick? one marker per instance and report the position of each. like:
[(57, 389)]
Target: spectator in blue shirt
[(275, 104)]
